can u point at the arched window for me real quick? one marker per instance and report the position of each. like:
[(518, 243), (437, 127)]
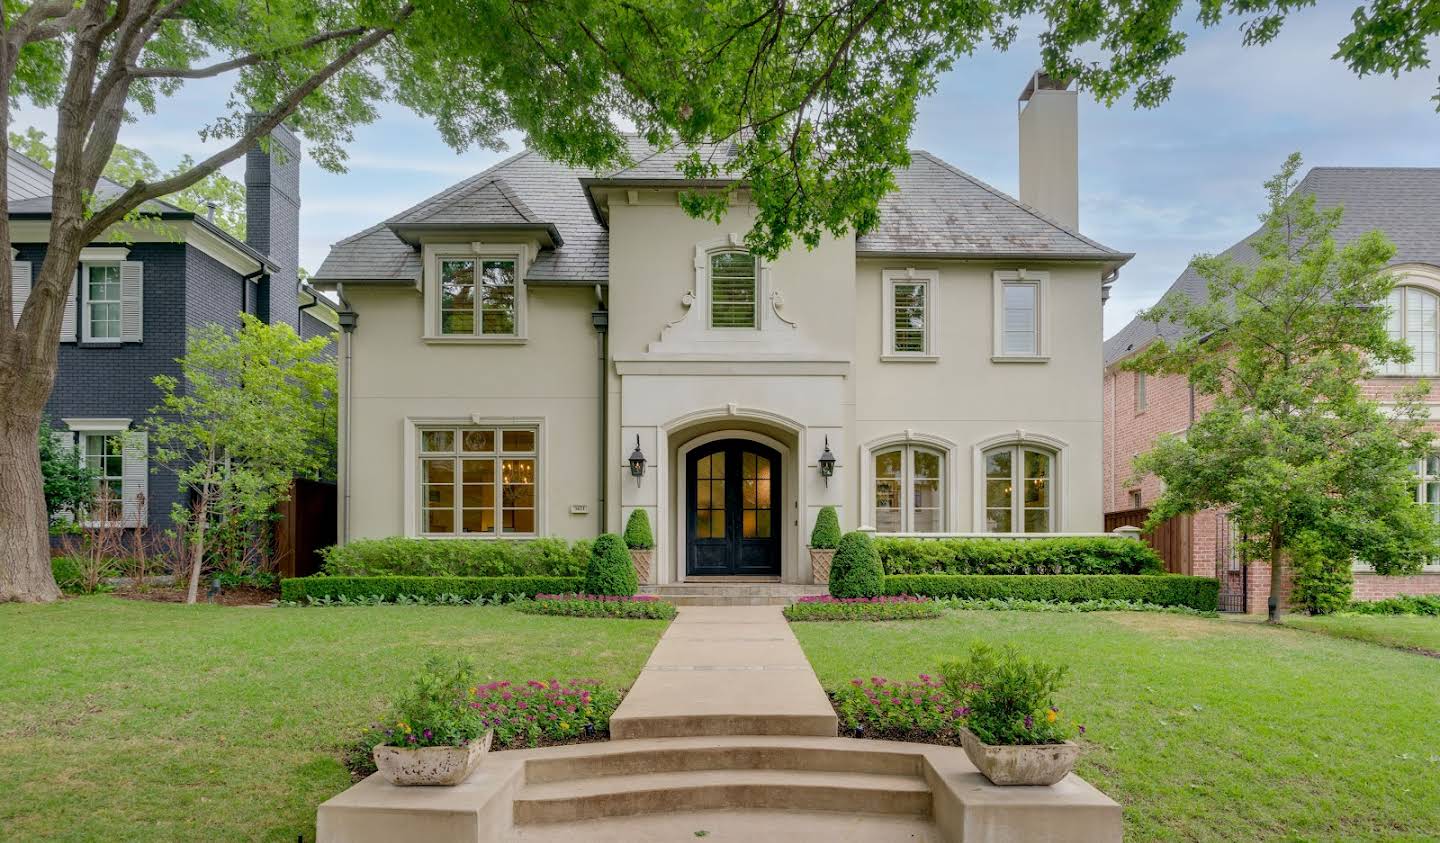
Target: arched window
[(1019, 490), (909, 493), (733, 298), (1413, 318)]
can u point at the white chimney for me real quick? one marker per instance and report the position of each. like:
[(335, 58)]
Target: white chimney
[(1050, 149)]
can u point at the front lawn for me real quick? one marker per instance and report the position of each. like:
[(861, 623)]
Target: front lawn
[(1208, 729), (126, 720), (1413, 632)]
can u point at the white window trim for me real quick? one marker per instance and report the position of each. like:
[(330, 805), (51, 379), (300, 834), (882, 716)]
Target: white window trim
[(1059, 449), (765, 317), (435, 253), (1421, 276), (84, 285), (1041, 280), (931, 279), (949, 470), (710, 290), (411, 502), (78, 427)]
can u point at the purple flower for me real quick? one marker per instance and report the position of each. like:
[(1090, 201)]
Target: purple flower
[(428, 734), (1082, 728), (1029, 721)]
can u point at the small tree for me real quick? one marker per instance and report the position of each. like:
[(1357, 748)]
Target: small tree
[(69, 482), (826, 535), (610, 570), (856, 571), (246, 417), (1291, 447), (1323, 582), (637, 531)]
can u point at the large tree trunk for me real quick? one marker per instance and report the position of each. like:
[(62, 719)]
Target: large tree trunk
[(24, 524)]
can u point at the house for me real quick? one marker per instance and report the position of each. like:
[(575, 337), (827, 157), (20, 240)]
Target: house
[(136, 296), (1404, 203), (540, 350)]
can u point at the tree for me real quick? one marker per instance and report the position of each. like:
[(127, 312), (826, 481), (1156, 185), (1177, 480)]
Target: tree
[(806, 103), (248, 415), (69, 483), (1301, 459)]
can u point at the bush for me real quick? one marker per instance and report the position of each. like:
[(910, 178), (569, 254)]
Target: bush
[(855, 571), (578, 606), (637, 531), (903, 711), (1008, 604), (826, 535), (1323, 581), (610, 570), (82, 574), (1083, 555), (1200, 593), (1406, 605), (1008, 699), (421, 589), (862, 610), (410, 557)]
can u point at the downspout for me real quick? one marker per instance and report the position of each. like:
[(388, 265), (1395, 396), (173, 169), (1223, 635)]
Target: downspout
[(347, 319), (600, 319)]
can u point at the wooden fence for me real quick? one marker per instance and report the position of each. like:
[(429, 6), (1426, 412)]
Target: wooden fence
[(1171, 540), (306, 524)]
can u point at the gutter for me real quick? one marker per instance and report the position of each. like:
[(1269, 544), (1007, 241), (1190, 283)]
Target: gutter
[(600, 319), (347, 319)]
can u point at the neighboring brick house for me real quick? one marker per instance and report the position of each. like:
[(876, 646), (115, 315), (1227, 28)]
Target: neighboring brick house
[(1404, 203), (135, 298)]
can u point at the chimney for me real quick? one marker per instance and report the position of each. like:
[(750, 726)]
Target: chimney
[(1050, 149), (272, 223)]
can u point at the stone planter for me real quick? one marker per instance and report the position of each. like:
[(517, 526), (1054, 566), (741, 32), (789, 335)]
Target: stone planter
[(1040, 764), (431, 765), (820, 559), (642, 560)]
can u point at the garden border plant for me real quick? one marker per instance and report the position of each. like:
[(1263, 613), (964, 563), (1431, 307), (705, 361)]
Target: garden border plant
[(403, 556), (1063, 555), (1201, 593), (855, 570), (307, 590), (640, 606), (863, 609)]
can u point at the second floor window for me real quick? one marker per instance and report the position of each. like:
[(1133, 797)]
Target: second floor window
[(102, 301), (1427, 484), (477, 297), (733, 291), (1413, 318), (1142, 401), (1020, 319), (908, 315)]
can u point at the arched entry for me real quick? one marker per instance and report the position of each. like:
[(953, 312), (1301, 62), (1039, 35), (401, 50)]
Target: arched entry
[(732, 509)]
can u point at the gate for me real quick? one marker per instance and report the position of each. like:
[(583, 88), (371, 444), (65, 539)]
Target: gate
[(306, 524), (1230, 568), (1171, 539)]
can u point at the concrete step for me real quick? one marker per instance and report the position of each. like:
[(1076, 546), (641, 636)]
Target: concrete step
[(732, 593), (706, 790), (739, 827), (698, 754)]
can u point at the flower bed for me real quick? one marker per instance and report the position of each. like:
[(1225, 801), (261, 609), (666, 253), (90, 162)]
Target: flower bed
[(886, 608), (643, 606), (921, 711)]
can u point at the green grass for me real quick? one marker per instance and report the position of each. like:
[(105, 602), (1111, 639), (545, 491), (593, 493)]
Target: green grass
[(123, 720), (1208, 729), (1415, 632)]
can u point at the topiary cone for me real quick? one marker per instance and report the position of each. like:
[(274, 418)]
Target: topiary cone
[(856, 571), (610, 570)]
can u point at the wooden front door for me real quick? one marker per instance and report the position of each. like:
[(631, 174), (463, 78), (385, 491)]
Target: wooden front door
[(732, 510)]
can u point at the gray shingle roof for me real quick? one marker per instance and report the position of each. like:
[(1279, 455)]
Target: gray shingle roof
[(937, 210), (1403, 202), (26, 179)]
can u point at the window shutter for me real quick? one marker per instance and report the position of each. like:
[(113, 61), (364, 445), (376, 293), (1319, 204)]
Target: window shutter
[(19, 286), (135, 473), (132, 289), (68, 321)]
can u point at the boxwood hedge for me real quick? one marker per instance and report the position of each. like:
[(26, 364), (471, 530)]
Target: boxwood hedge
[(1200, 593), (389, 588), (412, 557), (1077, 555)]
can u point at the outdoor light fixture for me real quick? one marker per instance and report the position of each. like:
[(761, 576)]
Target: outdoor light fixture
[(827, 462), (637, 461)]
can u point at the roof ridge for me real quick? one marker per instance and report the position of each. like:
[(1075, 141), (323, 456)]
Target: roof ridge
[(1002, 195), (488, 172)]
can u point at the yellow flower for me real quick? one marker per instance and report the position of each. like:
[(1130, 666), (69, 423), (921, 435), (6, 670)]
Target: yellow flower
[(564, 725), (1050, 716)]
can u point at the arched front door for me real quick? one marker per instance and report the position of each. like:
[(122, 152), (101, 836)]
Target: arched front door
[(732, 509)]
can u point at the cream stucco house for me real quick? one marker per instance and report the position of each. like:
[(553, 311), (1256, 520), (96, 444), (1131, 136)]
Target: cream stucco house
[(516, 343)]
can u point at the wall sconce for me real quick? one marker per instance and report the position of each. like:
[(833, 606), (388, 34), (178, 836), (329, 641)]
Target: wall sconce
[(637, 461), (827, 462)]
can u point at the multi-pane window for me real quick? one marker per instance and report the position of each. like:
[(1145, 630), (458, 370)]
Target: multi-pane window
[(754, 496), (909, 493), (1019, 490), (102, 453), (1020, 318), (710, 496), (733, 299), (1427, 484), (908, 301), (477, 296), (102, 301), (1142, 401), (1413, 318), (478, 480)]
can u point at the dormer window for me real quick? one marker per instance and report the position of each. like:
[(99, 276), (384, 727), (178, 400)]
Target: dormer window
[(733, 290), (477, 297)]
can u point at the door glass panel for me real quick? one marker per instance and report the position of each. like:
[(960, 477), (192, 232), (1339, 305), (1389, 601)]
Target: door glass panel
[(755, 487), (710, 497)]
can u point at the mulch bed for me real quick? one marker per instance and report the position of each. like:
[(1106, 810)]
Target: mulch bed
[(241, 596)]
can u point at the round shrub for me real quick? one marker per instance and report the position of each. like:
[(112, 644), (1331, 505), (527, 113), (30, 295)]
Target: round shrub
[(637, 531), (1323, 581), (855, 571), (826, 535), (610, 570)]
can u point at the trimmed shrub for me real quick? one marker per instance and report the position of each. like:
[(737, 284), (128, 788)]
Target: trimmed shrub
[(1323, 580), (1428, 604), (1200, 593), (855, 571), (410, 557), (298, 589), (610, 570), (826, 535), (637, 531), (1079, 555), (582, 608), (859, 611)]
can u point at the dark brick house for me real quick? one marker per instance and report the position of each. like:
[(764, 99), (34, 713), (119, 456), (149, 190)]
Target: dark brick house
[(137, 295)]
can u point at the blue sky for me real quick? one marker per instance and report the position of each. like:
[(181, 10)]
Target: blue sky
[(1166, 183)]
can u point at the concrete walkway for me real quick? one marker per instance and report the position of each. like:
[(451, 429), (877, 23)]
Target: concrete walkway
[(725, 670)]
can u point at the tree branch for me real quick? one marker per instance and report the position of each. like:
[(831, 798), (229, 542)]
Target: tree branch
[(243, 61)]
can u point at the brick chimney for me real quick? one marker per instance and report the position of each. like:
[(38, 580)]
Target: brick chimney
[(1050, 149), (272, 222)]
